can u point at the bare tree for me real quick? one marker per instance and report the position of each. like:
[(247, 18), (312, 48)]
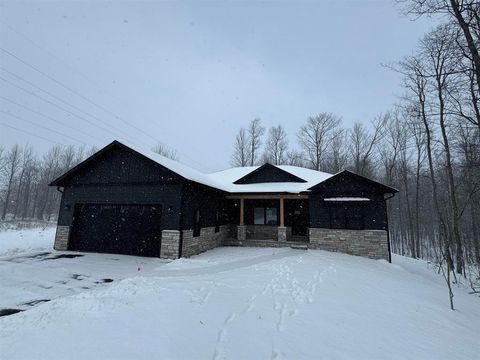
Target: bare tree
[(316, 136), (166, 151), (464, 14), (438, 47), (338, 154), (363, 142), (13, 159), (276, 146), (255, 132), (295, 158), (240, 156), (23, 178)]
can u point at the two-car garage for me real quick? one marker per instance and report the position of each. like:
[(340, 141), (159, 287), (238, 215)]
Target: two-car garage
[(118, 201), (129, 229)]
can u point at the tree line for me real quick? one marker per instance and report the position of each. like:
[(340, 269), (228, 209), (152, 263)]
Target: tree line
[(24, 179)]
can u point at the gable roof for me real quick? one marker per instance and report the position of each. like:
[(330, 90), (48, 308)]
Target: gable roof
[(230, 176), (268, 171), (338, 177), (227, 180), (178, 168)]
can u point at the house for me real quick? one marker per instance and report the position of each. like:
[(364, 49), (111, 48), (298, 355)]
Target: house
[(127, 200)]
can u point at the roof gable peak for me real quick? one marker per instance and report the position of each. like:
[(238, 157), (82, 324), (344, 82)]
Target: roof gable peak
[(268, 173)]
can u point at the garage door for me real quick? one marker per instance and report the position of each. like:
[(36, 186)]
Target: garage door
[(117, 229)]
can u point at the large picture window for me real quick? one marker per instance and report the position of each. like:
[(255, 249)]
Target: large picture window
[(265, 216), (346, 217)]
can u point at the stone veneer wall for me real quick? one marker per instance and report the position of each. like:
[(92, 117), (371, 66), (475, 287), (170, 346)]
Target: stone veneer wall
[(170, 244), (207, 240), (261, 232), (367, 243), (61, 238)]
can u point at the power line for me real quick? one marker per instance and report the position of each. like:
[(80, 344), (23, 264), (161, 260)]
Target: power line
[(43, 127), (59, 99), (75, 92), (90, 101), (59, 59), (48, 117), (29, 133), (55, 105)]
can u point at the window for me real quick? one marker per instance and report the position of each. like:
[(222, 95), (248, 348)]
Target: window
[(265, 216), (259, 216), (346, 217), (270, 216)]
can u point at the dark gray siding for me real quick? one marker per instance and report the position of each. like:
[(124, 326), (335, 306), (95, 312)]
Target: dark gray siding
[(347, 184), (208, 201), (374, 214), (120, 166), (167, 194), (121, 176)]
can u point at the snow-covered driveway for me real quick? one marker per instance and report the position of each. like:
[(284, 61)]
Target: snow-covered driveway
[(236, 303)]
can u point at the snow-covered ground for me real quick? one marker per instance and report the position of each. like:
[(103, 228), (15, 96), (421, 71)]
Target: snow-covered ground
[(20, 241), (228, 303)]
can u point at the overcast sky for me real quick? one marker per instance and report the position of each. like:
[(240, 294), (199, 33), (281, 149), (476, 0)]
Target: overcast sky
[(191, 74)]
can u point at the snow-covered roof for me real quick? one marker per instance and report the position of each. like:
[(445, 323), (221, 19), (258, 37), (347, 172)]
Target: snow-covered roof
[(184, 171), (229, 176), (224, 180)]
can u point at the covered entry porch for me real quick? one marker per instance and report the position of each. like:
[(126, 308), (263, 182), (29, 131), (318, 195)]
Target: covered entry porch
[(271, 217)]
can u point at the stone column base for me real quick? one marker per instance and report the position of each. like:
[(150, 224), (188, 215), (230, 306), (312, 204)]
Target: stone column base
[(170, 244), (61, 238), (241, 232), (282, 233)]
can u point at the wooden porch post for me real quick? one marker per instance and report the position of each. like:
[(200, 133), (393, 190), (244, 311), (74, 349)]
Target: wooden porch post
[(282, 212), (242, 207)]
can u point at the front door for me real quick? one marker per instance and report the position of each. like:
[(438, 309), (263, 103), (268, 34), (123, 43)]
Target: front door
[(298, 216)]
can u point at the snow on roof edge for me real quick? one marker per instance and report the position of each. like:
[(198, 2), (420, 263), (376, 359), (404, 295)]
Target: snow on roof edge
[(223, 179)]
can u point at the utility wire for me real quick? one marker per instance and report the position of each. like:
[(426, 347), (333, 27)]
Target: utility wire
[(61, 100), (88, 100), (43, 127), (55, 105), (59, 59), (48, 117), (74, 92), (29, 133)]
